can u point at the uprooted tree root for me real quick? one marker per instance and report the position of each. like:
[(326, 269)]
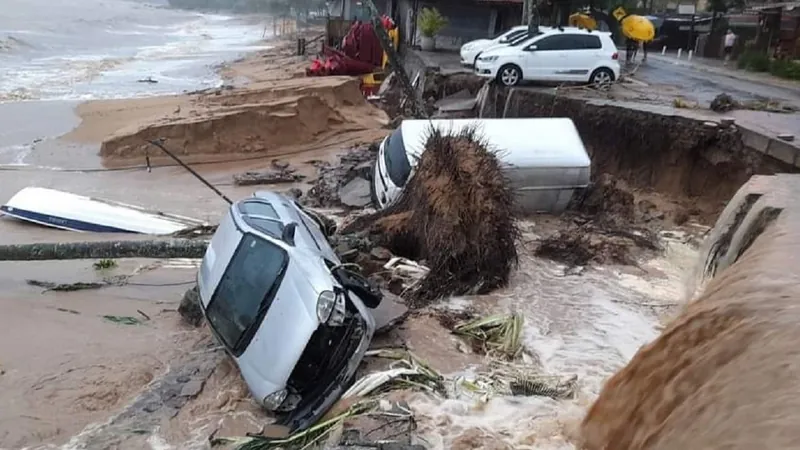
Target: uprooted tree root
[(456, 214)]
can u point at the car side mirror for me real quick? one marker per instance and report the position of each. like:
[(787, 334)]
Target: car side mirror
[(288, 233), (531, 48)]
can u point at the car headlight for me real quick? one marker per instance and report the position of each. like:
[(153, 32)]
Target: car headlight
[(274, 401), (325, 304), (339, 311), (488, 58)]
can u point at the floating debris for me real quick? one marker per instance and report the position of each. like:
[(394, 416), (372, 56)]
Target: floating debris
[(123, 320), (65, 287), (407, 372), (495, 335), (104, 264)]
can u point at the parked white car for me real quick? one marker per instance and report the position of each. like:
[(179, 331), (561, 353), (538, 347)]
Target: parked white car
[(471, 49), (554, 55), (280, 301)]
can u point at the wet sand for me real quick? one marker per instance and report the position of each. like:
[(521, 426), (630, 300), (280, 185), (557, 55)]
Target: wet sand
[(63, 365), (67, 367)]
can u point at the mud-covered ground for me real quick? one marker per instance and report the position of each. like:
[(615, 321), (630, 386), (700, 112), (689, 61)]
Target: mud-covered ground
[(162, 383), (118, 368)]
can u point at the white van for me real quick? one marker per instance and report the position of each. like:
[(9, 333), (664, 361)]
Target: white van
[(544, 158)]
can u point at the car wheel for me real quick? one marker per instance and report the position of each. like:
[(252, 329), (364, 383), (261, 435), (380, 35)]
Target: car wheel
[(601, 77), (509, 75)]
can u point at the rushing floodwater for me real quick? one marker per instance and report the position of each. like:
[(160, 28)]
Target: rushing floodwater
[(87, 49)]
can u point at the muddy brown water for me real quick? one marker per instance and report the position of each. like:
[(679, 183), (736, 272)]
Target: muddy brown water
[(723, 374), (73, 379)]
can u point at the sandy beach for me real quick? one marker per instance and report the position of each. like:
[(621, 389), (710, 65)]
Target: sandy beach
[(97, 148)]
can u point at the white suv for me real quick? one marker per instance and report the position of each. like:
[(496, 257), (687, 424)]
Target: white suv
[(553, 55)]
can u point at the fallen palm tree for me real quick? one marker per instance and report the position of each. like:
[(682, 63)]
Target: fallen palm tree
[(171, 248), (457, 214)]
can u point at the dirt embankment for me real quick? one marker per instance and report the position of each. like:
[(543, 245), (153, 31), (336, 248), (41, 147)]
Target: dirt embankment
[(261, 118), (689, 161), (722, 375)]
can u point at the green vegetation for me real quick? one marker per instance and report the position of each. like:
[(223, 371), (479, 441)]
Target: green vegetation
[(756, 61), (431, 22)]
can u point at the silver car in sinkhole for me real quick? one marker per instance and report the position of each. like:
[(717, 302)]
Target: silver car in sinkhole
[(278, 298)]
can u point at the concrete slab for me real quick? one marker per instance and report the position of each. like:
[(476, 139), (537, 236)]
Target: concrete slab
[(391, 312)]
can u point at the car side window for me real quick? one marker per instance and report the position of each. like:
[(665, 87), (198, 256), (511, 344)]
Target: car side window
[(559, 42), (590, 42)]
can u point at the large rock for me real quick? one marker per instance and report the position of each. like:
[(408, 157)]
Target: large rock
[(356, 193)]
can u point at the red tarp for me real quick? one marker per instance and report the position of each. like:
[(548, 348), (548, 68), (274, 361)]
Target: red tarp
[(361, 52)]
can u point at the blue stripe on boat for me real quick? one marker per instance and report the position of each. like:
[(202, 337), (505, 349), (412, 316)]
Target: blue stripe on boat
[(71, 224)]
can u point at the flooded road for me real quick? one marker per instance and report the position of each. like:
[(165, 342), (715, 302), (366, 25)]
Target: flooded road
[(705, 85), (588, 325)]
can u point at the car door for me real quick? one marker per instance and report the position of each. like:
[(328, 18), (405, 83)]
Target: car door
[(545, 57), (587, 59)]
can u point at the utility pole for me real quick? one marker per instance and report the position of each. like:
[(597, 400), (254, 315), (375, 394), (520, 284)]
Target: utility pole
[(394, 60), (533, 18)]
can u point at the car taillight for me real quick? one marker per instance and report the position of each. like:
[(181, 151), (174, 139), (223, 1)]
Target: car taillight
[(615, 56)]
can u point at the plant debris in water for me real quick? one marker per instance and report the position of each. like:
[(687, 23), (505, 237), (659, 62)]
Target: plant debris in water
[(65, 287), (457, 214), (123, 320), (104, 264), (495, 335)]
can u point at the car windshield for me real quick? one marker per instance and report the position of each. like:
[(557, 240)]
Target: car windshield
[(509, 35), (522, 38), (396, 159), (246, 290)]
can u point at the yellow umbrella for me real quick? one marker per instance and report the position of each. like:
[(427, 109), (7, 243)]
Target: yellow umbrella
[(583, 21), (638, 28)]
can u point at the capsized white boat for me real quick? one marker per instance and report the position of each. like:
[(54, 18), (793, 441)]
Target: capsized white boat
[(78, 213)]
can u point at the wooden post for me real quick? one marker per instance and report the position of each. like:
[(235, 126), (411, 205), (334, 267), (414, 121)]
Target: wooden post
[(394, 60)]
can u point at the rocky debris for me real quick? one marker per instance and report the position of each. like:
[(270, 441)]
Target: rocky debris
[(723, 103), (356, 193), (608, 227), (357, 248), (607, 199), (280, 172), (346, 184), (162, 401), (456, 214), (580, 246), (190, 309)]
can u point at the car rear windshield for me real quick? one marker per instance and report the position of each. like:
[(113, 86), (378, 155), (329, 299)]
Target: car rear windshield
[(394, 155), (246, 291)]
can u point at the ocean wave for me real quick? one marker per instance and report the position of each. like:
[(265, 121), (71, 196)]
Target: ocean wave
[(11, 43)]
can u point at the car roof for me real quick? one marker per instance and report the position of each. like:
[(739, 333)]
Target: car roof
[(285, 211), (548, 31), (522, 142)]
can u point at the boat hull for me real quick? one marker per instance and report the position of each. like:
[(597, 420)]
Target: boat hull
[(72, 212)]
